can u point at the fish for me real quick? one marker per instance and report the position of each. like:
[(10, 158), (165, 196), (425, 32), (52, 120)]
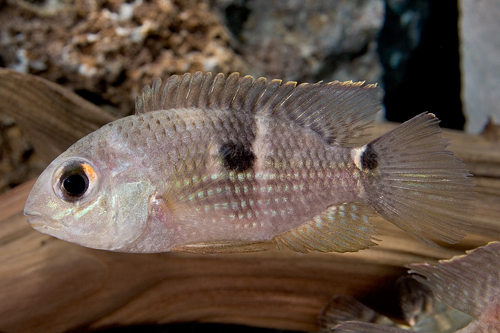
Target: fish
[(216, 164), (468, 299)]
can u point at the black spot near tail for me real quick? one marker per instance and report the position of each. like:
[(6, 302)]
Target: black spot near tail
[(236, 157), (369, 158)]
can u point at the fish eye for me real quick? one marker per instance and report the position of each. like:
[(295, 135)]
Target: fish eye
[(74, 180), (75, 184)]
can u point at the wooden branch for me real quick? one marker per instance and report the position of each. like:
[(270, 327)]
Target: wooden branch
[(47, 285), (53, 117)]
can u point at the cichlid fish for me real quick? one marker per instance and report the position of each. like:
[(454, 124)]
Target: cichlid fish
[(213, 164), (468, 288)]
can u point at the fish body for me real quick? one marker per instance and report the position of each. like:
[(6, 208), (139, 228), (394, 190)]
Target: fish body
[(215, 164)]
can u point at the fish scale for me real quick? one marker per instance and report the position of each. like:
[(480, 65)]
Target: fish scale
[(210, 164)]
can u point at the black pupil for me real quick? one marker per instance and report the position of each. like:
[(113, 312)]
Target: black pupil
[(75, 185)]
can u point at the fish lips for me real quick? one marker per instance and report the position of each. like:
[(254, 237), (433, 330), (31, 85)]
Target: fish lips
[(39, 223), (36, 219)]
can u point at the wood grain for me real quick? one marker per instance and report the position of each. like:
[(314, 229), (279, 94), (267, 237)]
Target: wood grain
[(48, 285), (51, 115)]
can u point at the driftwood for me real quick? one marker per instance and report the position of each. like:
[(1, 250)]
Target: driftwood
[(52, 116), (47, 285)]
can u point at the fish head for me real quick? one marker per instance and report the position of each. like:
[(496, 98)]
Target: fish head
[(91, 201)]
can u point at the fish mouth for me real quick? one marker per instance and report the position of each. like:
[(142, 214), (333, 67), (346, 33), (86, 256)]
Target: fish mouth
[(39, 223), (31, 215), (35, 219)]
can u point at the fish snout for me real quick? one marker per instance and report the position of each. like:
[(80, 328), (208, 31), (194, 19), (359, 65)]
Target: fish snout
[(38, 222)]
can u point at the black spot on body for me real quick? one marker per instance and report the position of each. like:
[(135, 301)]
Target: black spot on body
[(236, 157), (369, 158)]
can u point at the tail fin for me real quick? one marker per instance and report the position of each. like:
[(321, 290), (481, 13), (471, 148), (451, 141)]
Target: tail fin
[(416, 184)]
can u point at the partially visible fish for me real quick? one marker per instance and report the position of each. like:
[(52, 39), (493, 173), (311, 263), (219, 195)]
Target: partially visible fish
[(468, 288), (213, 164), (424, 311)]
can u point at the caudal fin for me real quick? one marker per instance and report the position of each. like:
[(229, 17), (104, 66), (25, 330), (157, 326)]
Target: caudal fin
[(415, 183)]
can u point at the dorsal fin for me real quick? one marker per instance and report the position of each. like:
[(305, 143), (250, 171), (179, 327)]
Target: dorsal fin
[(337, 111)]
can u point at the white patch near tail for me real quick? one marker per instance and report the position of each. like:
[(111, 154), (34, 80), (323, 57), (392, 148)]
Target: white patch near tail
[(356, 154)]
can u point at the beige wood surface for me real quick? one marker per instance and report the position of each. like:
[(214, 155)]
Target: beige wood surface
[(48, 285)]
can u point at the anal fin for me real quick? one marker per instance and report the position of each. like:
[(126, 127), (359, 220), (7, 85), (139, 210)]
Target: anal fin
[(340, 228), (222, 247)]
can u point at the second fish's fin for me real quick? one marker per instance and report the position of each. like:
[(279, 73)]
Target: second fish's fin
[(424, 311), (344, 308), (469, 283), (415, 183), (341, 228)]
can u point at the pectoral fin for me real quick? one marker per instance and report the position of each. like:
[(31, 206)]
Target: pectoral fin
[(342, 228)]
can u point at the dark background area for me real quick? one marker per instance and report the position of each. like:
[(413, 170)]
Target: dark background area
[(428, 77)]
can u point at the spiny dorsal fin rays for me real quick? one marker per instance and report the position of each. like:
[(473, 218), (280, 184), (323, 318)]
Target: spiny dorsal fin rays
[(150, 97), (242, 93), (337, 111), (215, 90), (183, 91), (190, 98), (256, 91), (168, 91), (229, 91)]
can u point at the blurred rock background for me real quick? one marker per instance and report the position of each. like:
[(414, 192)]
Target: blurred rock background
[(107, 50)]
